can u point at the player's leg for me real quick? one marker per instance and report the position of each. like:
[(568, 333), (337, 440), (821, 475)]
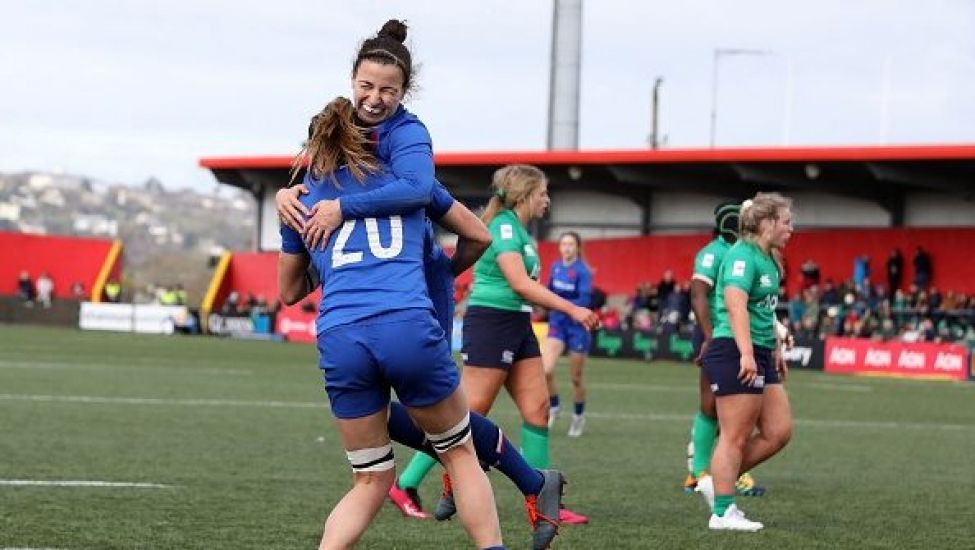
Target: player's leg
[(738, 407), (554, 347), (704, 430), (774, 428), (371, 455), (577, 362), (447, 425)]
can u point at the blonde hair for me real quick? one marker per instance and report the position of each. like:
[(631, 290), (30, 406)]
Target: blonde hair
[(512, 184), (764, 206), (334, 140)]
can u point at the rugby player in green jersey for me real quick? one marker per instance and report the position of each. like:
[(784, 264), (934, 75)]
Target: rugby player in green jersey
[(742, 362)]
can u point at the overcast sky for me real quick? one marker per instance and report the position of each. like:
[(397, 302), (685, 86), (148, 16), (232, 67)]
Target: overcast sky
[(125, 90)]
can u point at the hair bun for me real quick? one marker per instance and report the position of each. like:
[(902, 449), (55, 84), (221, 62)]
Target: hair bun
[(395, 29)]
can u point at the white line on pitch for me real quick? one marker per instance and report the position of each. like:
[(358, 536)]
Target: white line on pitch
[(48, 365), (159, 401), (653, 417), (80, 483)]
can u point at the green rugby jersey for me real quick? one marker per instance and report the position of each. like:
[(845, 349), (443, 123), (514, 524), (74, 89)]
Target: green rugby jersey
[(491, 289), (707, 265), (745, 266)]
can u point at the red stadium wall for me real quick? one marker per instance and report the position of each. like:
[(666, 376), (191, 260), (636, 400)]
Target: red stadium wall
[(65, 259), (621, 264), (257, 273)]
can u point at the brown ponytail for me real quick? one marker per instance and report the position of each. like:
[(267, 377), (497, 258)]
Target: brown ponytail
[(335, 140)]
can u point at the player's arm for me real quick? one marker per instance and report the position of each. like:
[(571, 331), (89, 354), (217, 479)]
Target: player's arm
[(410, 160), (584, 288), (473, 237), (295, 280), (513, 268), (699, 304)]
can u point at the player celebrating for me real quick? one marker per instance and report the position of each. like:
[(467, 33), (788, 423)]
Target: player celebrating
[(373, 289), (743, 362), (571, 279)]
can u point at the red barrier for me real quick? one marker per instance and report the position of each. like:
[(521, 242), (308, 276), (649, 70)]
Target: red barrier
[(296, 324), (913, 360), (66, 259)]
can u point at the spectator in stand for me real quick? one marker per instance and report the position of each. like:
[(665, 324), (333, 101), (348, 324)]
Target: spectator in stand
[(113, 291), (25, 288), (810, 273), (895, 269), (830, 296), (922, 268), (231, 305), (45, 289), (861, 271), (666, 286), (180, 295), (797, 310), (609, 318)]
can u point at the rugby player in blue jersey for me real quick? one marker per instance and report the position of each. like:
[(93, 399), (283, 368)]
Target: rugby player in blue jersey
[(571, 279), (373, 294)]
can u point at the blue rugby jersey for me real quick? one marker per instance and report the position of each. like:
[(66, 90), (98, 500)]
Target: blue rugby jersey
[(371, 265), (572, 282), (403, 145)]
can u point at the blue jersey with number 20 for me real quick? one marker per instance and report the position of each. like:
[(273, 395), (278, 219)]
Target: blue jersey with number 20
[(368, 266)]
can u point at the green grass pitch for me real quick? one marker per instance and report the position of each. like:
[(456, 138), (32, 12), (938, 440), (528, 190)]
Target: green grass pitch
[(240, 435)]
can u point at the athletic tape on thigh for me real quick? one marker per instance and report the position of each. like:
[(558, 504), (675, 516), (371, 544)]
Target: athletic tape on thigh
[(456, 436), (376, 459)]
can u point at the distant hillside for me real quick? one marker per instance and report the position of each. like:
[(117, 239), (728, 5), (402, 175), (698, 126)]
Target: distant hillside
[(168, 236)]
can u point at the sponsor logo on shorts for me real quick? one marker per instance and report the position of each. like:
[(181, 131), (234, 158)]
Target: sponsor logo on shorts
[(714, 387), (738, 268), (759, 382), (507, 356), (463, 357)]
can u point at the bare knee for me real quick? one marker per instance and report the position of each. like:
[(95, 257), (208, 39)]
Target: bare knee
[(379, 482), (778, 435), (535, 412)]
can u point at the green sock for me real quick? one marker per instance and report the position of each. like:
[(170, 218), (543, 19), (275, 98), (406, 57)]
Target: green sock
[(534, 445), (722, 502), (416, 470), (703, 434)]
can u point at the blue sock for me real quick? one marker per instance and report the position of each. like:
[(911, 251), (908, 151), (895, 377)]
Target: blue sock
[(496, 450), (402, 430), (553, 401), (495, 548), (580, 407)]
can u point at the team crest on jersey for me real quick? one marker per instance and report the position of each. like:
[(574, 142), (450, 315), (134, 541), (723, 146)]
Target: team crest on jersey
[(707, 260), (507, 232), (738, 268), (765, 280)]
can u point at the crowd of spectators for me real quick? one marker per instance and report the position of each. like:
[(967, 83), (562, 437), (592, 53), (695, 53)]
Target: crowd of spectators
[(855, 307)]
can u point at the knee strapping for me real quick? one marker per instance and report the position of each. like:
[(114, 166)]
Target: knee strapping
[(376, 459), (454, 437)]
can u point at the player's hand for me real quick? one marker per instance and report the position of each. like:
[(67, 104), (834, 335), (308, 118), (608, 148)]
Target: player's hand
[(290, 210), (324, 217), (780, 365), (699, 360), (586, 317), (749, 369)]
